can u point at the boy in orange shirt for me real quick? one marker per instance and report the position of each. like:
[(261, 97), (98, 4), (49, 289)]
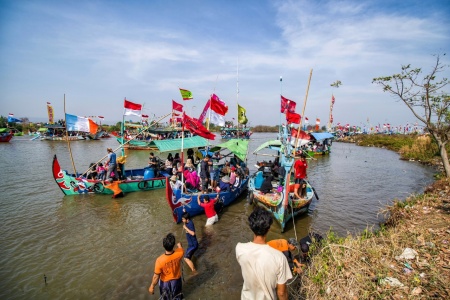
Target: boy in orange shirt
[(168, 270), (286, 246), (114, 186)]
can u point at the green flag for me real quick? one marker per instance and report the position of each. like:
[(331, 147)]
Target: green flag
[(185, 94), (242, 119)]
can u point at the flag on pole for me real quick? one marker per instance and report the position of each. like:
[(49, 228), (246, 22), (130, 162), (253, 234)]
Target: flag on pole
[(242, 118), (11, 119), (317, 124), (177, 106), (205, 110), (287, 105), (306, 120), (217, 119), (50, 113), (293, 117), (196, 127), (185, 94), (132, 108), (76, 123), (218, 105)]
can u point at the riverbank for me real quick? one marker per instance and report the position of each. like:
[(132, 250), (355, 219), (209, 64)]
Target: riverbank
[(408, 257)]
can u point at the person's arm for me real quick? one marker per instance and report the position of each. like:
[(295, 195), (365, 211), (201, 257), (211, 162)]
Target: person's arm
[(282, 292), (198, 200), (191, 232), (155, 279)]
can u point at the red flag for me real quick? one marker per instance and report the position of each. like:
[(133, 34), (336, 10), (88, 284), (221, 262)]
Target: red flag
[(218, 105), (177, 106), (196, 128), (101, 117), (205, 110), (292, 117), (48, 103), (332, 99), (303, 135), (144, 116), (287, 105)]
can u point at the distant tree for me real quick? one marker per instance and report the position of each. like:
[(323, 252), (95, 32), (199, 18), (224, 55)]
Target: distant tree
[(426, 100), (3, 122)]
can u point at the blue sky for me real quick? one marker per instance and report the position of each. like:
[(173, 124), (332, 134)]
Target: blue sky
[(99, 52)]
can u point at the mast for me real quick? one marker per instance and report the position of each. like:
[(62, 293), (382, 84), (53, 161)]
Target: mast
[(67, 137), (303, 111), (237, 99)]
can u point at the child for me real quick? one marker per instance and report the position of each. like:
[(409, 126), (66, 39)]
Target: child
[(114, 186), (101, 171)]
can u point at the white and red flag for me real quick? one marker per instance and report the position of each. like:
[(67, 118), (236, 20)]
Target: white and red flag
[(132, 108)]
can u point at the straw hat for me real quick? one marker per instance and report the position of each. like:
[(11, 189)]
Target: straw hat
[(173, 178)]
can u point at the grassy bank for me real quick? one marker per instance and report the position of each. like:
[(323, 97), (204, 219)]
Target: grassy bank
[(374, 265)]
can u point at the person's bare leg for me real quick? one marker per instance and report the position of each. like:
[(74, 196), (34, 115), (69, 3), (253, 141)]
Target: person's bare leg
[(296, 188), (190, 264)]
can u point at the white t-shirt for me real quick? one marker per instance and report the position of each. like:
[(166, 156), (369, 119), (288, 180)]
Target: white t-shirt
[(262, 268)]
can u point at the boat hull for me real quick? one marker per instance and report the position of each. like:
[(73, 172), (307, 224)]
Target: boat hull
[(282, 209), (4, 138), (181, 202), (75, 185)]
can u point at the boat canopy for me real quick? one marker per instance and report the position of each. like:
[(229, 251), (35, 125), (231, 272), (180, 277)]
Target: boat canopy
[(3, 130), (273, 144), (239, 147), (320, 136), (42, 129), (175, 144)]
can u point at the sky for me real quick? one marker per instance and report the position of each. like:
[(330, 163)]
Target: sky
[(94, 54)]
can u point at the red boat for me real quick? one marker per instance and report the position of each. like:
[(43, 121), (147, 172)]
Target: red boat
[(6, 137)]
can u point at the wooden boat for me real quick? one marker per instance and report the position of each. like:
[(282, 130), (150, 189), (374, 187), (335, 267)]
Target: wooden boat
[(180, 202), (136, 180), (281, 202), (56, 132), (320, 144), (5, 135)]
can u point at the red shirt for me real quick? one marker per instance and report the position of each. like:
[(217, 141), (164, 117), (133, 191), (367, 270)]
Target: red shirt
[(300, 169), (209, 208)]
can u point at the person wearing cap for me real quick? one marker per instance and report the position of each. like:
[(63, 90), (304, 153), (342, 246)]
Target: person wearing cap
[(264, 269), (300, 167), (176, 184), (111, 162), (287, 247)]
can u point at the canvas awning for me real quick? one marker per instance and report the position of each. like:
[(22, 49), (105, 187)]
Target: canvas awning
[(320, 136), (175, 144), (239, 147), (273, 144)]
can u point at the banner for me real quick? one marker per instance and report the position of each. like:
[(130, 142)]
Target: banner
[(11, 119), (242, 118), (50, 113), (76, 123), (186, 95), (132, 108)]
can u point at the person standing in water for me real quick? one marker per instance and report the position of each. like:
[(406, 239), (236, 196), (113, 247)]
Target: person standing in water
[(191, 237)]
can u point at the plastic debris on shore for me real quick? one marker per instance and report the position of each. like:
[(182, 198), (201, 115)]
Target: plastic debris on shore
[(394, 282), (408, 253)]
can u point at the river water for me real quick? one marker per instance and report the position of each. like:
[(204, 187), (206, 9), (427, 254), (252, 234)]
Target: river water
[(94, 247)]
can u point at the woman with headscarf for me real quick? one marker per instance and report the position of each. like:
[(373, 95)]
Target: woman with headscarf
[(266, 186)]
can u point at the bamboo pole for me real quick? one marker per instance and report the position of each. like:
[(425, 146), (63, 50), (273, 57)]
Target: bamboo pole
[(67, 137), (303, 112)]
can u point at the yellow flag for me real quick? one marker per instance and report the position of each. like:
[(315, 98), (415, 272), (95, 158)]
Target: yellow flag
[(242, 118)]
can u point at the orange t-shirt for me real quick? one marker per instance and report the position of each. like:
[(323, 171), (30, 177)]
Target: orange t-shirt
[(168, 266), (114, 186), (281, 244)]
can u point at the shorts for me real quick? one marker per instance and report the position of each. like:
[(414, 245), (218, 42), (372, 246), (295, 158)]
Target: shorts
[(171, 290), (212, 220), (204, 184), (190, 251), (299, 180), (119, 195)]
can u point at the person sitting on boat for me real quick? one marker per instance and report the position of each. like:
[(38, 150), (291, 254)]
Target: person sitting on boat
[(92, 172), (168, 164), (224, 184), (190, 155), (300, 167), (189, 164), (287, 247), (114, 186), (152, 161), (233, 175), (266, 186), (111, 162), (237, 182), (176, 158), (191, 180), (208, 205), (101, 171), (226, 169), (176, 184)]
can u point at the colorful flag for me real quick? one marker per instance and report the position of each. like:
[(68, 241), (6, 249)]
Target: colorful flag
[(332, 99), (132, 108), (317, 121), (217, 119), (50, 113), (218, 105), (306, 120), (185, 94), (242, 118), (205, 110), (292, 117), (101, 117), (144, 116), (287, 105), (177, 106), (75, 123), (196, 127), (303, 135), (11, 119)]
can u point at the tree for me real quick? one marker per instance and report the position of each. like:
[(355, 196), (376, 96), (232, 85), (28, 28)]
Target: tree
[(426, 100)]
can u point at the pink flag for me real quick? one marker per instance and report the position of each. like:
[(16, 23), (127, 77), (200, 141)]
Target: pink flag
[(177, 106)]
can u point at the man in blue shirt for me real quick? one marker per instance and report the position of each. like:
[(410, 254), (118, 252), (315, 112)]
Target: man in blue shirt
[(111, 163), (192, 240)]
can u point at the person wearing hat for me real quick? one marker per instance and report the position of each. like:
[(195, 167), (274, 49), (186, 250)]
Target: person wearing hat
[(176, 184), (287, 247), (111, 162), (300, 167)]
